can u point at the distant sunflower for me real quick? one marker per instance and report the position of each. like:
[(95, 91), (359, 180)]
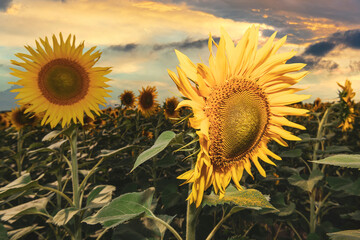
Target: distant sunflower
[(170, 106), (347, 113), (4, 121), (128, 99), (61, 81), (88, 123), (20, 118), (147, 103), (147, 134), (239, 104)]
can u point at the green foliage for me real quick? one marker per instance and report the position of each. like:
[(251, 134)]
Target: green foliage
[(345, 235), (20, 184), (248, 198), (3, 233), (342, 160), (160, 144), (307, 185), (123, 208)]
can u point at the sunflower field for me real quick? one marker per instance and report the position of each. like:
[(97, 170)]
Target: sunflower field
[(239, 155)]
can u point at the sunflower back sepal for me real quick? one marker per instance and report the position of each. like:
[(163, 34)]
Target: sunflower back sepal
[(247, 198)]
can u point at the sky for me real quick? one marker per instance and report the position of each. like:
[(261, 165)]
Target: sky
[(138, 38)]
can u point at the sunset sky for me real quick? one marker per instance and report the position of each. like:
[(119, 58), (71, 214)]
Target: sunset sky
[(138, 38)]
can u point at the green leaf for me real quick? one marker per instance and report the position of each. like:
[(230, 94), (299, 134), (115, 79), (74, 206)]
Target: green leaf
[(249, 198), (19, 233), (307, 185), (158, 228), (287, 210), (37, 206), (65, 215), (345, 235), (6, 149), (123, 208), (22, 183), (344, 184), (57, 145), (110, 153), (99, 196), (341, 160), (3, 233), (292, 153), (337, 149), (160, 144), (51, 135), (354, 215)]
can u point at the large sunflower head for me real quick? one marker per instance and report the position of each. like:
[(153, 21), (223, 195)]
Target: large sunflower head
[(147, 103), (128, 99), (347, 113), (61, 81), (20, 118), (170, 106), (239, 103)]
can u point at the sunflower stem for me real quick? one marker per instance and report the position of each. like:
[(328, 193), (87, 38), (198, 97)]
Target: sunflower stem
[(232, 211), (190, 220), (20, 157), (320, 133), (191, 215), (75, 180)]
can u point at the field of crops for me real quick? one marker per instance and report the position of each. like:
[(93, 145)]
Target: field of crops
[(35, 170), (187, 168)]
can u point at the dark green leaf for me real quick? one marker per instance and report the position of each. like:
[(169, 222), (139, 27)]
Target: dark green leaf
[(51, 135), (337, 149), (65, 215), (292, 153), (160, 144), (37, 206), (19, 233), (21, 184), (99, 196), (110, 153), (123, 208), (307, 185), (345, 235), (3, 233), (342, 160)]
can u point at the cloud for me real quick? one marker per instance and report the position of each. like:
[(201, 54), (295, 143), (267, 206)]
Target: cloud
[(320, 49), (100, 22), (186, 44), (314, 63), (124, 48), (354, 66), (4, 4), (350, 38)]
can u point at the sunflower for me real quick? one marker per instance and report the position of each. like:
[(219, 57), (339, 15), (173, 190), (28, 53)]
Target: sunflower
[(61, 81), (147, 102), (170, 110), (128, 99), (147, 134), (20, 118), (4, 121), (239, 103), (347, 113)]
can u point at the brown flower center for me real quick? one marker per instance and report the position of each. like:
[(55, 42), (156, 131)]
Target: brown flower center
[(238, 112), (63, 81)]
